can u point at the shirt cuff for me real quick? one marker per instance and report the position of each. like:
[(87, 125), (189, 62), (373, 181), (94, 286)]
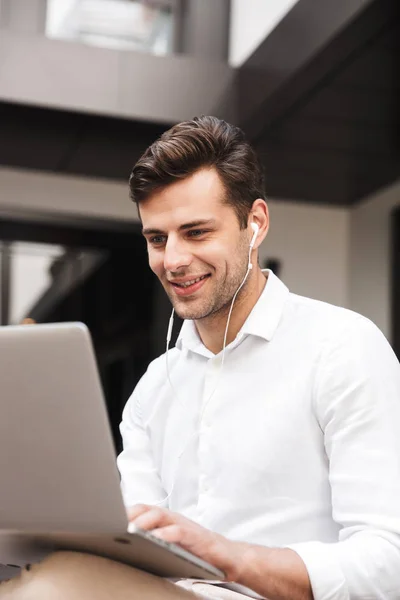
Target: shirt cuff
[(326, 576)]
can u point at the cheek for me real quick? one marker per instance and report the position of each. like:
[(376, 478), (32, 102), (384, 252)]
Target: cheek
[(156, 262), (219, 258), (213, 254)]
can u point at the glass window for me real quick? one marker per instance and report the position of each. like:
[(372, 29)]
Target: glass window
[(30, 276), (141, 25), (39, 277)]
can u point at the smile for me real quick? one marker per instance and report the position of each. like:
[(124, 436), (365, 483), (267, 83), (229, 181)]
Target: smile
[(191, 282), (186, 288)]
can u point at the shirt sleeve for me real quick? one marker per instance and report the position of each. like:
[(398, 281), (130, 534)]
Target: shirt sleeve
[(357, 403), (140, 482)]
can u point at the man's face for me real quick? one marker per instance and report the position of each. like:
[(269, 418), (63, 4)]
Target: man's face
[(195, 244)]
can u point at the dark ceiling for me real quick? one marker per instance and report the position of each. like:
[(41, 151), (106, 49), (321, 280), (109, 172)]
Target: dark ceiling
[(330, 134), (74, 143)]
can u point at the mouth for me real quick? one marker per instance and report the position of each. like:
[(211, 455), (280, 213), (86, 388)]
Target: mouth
[(186, 288)]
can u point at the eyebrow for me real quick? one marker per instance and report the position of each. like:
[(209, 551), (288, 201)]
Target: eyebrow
[(184, 227)]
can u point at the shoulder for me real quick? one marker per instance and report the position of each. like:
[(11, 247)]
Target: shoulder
[(321, 309), (353, 353), (331, 323), (338, 338)]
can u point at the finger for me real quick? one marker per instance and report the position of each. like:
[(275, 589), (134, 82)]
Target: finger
[(154, 518), (137, 510), (171, 533)]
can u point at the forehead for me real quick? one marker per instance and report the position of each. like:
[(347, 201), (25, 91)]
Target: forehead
[(199, 196)]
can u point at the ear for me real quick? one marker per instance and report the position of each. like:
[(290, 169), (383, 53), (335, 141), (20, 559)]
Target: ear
[(259, 217)]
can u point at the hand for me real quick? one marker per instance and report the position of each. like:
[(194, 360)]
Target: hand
[(215, 549)]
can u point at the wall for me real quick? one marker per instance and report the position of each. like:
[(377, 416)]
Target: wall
[(311, 241), (135, 85), (23, 191), (250, 23), (23, 17), (313, 244), (65, 75), (369, 285)]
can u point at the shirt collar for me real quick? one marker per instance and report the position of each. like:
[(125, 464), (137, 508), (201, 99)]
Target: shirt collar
[(261, 322), (266, 314)]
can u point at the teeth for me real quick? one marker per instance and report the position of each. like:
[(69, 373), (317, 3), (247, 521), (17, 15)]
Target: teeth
[(193, 281)]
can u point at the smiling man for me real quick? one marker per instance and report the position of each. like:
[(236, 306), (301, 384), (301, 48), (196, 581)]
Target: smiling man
[(277, 459), (267, 442)]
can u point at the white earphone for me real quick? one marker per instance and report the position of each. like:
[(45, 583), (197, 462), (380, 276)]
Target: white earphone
[(256, 229)]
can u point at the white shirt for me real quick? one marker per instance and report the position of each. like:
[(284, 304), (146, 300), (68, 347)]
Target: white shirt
[(299, 444)]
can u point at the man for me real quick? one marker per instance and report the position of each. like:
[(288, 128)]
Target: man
[(267, 443)]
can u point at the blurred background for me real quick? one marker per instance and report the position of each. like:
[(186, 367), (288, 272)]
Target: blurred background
[(87, 85)]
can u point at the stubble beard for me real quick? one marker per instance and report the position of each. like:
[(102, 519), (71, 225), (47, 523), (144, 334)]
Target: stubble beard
[(218, 301)]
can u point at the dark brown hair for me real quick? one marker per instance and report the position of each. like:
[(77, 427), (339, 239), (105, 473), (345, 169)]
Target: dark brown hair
[(202, 142)]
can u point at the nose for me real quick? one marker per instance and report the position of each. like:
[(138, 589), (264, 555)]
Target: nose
[(176, 255)]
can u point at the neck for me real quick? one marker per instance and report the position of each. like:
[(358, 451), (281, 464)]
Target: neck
[(212, 329)]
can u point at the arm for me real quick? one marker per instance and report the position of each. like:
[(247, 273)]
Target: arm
[(357, 404), (277, 574)]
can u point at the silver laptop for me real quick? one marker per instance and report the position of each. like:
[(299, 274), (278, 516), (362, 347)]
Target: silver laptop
[(60, 487)]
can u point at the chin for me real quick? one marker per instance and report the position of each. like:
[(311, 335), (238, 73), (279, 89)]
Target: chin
[(190, 313), (186, 314)]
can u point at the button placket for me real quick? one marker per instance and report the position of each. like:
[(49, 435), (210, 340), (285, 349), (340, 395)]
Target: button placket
[(205, 425)]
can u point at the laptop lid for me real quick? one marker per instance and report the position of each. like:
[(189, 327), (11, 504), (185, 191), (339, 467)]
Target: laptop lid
[(57, 459)]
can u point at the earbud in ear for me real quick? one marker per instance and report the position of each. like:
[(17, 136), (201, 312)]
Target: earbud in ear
[(255, 228)]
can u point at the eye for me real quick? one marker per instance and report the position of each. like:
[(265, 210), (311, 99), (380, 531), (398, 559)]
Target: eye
[(196, 232), (157, 240)]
